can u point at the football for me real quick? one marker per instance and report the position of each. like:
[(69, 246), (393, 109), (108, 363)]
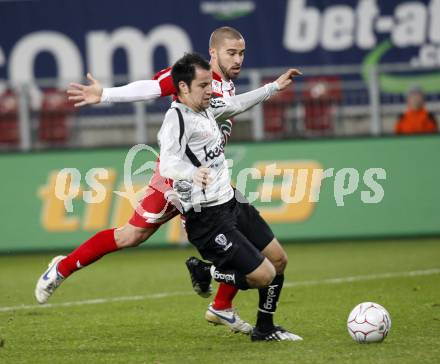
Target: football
[(369, 322)]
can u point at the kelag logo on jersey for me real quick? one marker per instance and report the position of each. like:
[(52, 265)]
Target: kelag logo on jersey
[(213, 153), (365, 26)]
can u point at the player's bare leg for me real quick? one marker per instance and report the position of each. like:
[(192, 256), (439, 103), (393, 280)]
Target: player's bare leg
[(129, 236)]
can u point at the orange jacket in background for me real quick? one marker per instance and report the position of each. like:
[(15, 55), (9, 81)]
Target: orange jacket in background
[(416, 121)]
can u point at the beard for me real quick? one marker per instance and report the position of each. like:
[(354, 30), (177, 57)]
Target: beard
[(229, 73)]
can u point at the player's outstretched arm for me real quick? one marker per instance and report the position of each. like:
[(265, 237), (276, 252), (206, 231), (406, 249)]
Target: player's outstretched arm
[(94, 93), (226, 108)]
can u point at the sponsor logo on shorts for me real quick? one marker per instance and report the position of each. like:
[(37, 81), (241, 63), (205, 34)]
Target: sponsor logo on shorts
[(222, 240)]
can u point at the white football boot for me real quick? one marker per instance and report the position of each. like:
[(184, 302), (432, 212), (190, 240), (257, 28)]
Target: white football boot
[(277, 333), (229, 318), (49, 281)]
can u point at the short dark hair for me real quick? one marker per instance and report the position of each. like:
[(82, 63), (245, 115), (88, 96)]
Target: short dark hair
[(219, 34), (185, 68)]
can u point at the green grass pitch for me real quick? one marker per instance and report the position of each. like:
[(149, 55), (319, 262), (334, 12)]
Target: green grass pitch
[(156, 318)]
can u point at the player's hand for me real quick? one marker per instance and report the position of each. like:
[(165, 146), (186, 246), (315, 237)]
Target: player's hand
[(85, 94), (287, 78), (202, 177)]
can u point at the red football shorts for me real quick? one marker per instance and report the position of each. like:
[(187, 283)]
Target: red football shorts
[(154, 209)]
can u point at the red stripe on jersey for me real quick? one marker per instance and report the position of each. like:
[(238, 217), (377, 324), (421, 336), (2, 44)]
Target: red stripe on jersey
[(216, 76), (166, 82)]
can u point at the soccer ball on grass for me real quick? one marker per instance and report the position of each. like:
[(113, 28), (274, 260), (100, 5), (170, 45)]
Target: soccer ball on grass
[(368, 322)]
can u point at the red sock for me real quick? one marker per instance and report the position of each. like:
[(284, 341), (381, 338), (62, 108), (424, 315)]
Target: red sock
[(88, 252), (225, 295)]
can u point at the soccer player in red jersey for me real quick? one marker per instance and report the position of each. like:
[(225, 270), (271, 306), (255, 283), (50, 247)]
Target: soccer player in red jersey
[(226, 48)]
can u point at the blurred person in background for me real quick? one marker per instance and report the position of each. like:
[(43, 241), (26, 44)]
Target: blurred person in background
[(416, 119)]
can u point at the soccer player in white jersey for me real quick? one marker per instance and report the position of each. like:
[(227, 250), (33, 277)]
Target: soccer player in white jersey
[(226, 47), (223, 226)]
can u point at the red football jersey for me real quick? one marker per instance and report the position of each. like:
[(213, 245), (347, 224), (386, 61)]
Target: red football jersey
[(220, 88)]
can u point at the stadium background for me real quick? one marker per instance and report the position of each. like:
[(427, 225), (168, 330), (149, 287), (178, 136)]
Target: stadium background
[(356, 75), (358, 58)]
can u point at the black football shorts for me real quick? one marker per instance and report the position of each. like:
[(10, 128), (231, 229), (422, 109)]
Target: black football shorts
[(231, 235)]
